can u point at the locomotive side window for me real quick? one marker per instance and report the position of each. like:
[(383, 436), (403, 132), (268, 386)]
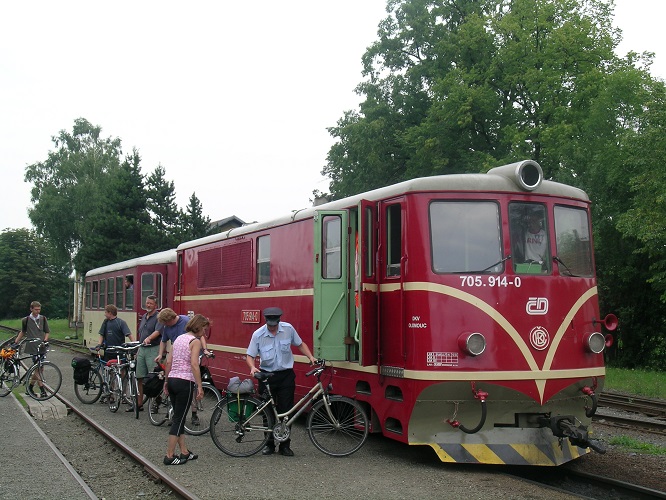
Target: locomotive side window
[(95, 294), (264, 260), (102, 293), (109, 291), (151, 284), (573, 242), (530, 247), (331, 245), (465, 237), (393, 240), (119, 292)]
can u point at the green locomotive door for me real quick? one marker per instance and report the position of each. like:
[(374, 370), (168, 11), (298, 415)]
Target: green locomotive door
[(332, 286)]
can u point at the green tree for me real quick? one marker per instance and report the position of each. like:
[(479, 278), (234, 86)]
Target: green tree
[(66, 186), (27, 273), (165, 216), (122, 228), (456, 86), (194, 223)]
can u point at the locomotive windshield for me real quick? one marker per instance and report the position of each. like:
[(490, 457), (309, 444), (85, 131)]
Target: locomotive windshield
[(574, 245), (530, 248), (466, 237)]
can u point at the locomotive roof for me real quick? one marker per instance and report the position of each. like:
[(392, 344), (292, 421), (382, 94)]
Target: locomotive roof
[(488, 182), (164, 257)]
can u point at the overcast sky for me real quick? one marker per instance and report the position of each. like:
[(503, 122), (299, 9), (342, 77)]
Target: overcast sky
[(232, 98)]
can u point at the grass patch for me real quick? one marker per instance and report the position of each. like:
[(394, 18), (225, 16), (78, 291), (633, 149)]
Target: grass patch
[(59, 329), (634, 445), (639, 382)]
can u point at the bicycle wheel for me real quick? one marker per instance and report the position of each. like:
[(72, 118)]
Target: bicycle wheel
[(204, 410), (8, 377), (91, 391), (158, 409), (237, 428), (44, 380), (115, 392), (134, 393), (344, 433)]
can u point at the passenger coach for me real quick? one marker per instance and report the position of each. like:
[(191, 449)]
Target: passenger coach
[(126, 285)]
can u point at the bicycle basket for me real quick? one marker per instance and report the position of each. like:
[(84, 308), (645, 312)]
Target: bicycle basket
[(7, 353)]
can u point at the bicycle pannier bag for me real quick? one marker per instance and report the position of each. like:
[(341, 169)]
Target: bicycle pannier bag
[(81, 370), (152, 385)]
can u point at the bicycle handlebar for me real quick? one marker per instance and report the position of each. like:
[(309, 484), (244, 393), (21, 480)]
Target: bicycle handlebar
[(321, 365)]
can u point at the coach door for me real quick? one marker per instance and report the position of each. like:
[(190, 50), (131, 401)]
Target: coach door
[(331, 332)]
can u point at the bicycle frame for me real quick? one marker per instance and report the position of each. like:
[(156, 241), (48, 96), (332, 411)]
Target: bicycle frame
[(287, 418)]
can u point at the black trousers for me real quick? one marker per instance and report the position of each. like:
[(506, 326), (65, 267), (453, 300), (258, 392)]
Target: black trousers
[(283, 387)]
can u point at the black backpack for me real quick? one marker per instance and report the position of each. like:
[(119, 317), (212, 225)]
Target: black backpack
[(81, 370), (153, 383)]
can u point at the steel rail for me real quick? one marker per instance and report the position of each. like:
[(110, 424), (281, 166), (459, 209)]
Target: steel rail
[(147, 465)]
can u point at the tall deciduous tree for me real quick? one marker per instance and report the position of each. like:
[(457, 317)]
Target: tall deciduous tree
[(458, 86), (66, 186)]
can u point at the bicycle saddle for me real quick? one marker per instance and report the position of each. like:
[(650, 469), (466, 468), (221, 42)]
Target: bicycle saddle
[(263, 375)]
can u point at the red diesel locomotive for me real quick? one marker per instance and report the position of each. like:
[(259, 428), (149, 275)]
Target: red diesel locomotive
[(460, 310)]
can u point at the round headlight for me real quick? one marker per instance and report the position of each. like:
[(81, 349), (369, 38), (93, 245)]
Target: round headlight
[(595, 343), (472, 344), (132, 364)]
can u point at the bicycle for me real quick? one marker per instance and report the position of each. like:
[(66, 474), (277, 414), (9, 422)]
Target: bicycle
[(44, 374), (161, 410), (127, 372), (241, 424), (122, 379)]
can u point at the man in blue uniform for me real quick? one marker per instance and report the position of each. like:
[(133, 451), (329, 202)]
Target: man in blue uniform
[(272, 343)]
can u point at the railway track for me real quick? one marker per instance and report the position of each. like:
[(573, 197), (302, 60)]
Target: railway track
[(650, 407), (568, 480), (146, 464)]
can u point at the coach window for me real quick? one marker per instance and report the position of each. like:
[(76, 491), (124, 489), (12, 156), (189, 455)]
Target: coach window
[(102, 293), (332, 234), (574, 246), (109, 291), (95, 294), (465, 237), (264, 260), (119, 292), (88, 303), (393, 240), (129, 291)]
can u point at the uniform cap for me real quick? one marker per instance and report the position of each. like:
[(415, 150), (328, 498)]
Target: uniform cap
[(272, 311)]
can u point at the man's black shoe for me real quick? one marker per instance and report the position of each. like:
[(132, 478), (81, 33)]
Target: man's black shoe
[(268, 450), (286, 451)]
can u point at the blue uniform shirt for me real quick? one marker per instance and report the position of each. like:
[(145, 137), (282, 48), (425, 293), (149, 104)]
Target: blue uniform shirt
[(274, 350)]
